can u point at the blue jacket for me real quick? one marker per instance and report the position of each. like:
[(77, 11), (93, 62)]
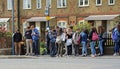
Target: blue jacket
[(37, 34), (84, 36)]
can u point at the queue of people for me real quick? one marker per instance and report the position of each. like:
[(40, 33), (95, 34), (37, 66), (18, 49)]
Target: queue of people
[(65, 42)]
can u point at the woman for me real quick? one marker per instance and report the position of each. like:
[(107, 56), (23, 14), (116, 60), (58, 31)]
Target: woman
[(28, 41), (102, 39), (69, 42), (84, 37), (59, 42), (93, 37)]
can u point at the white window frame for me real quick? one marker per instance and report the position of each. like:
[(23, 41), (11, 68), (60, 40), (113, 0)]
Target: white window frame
[(82, 21), (84, 5), (61, 22), (60, 4), (26, 4), (48, 3), (37, 4), (98, 4), (111, 3), (9, 4)]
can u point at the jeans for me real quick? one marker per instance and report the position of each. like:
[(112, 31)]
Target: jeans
[(36, 47), (116, 47), (84, 48), (100, 45), (52, 49), (92, 45), (69, 50)]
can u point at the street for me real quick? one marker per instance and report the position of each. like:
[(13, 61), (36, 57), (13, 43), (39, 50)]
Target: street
[(45, 62)]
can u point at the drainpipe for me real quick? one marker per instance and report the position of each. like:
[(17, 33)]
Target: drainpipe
[(18, 15)]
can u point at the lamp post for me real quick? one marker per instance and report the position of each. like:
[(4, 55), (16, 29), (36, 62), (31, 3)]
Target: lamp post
[(47, 13), (12, 27)]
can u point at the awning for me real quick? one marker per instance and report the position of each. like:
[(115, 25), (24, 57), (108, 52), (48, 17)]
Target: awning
[(101, 17), (2, 20), (38, 19)]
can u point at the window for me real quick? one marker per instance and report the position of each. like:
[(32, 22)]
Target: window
[(83, 3), (38, 4), (81, 21), (48, 3), (61, 3), (9, 4), (26, 4), (98, 2), (62, 24), (111, 2)]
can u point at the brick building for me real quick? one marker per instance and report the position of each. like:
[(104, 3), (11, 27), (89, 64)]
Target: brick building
[(62, 12)]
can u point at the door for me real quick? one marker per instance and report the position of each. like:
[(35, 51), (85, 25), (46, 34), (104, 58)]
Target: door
[(104, 24), (42, 30)]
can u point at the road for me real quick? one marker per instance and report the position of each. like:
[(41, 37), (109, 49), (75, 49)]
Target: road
[(61, 63)]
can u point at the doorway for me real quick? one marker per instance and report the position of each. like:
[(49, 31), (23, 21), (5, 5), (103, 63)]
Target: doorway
[(42, 30)]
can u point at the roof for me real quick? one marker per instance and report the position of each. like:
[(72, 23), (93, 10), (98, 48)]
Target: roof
[(2, 20), (101, 17), (38, 19)]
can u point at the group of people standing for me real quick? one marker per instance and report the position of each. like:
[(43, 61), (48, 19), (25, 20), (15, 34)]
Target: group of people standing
[(65, 41), (32, 41), (62, 39)]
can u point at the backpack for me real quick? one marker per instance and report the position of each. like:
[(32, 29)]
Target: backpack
[(115, 35), (76, 38), (95, 36)]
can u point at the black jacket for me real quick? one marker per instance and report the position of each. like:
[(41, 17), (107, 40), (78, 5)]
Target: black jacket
[(17, 37)]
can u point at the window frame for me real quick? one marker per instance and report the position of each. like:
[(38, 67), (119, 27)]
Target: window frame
[(37, 4), (83, 3), (61, 23), (25, 5), (111, 3), (61, 3), (9, 4), (47, 3), (98, 4)]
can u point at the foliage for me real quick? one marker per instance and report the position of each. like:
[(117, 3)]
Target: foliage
[(82, 26), (5, 39), (116, 20)]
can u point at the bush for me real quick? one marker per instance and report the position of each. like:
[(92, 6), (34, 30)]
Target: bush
[(82, 26), (5, 39)]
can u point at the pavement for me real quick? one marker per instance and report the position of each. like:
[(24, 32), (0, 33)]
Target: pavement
[(47, 56), (47, 62)]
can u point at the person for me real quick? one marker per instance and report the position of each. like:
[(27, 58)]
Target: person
[(17, 37), (69, 41), (59, 41), (84, 37), (75, 42), (48, 41), (102, 39), (53, 48), (35, 37), (116, 39), (28, 37), (93, 37)]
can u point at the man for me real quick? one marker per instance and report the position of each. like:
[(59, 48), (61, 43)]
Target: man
[(35, 37), (17, 42), (116, 39)]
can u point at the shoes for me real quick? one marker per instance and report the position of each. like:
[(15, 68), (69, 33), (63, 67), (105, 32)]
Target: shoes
[(93, 55), (116, 54)]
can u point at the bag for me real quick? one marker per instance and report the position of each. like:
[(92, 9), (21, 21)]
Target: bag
[(116, 36), (76, 39), (58, 39), (69, 42), (94, 36), (79, 39)]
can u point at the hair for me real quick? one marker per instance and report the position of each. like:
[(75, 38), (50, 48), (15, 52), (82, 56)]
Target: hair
[(94, 29), (101, 29)]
